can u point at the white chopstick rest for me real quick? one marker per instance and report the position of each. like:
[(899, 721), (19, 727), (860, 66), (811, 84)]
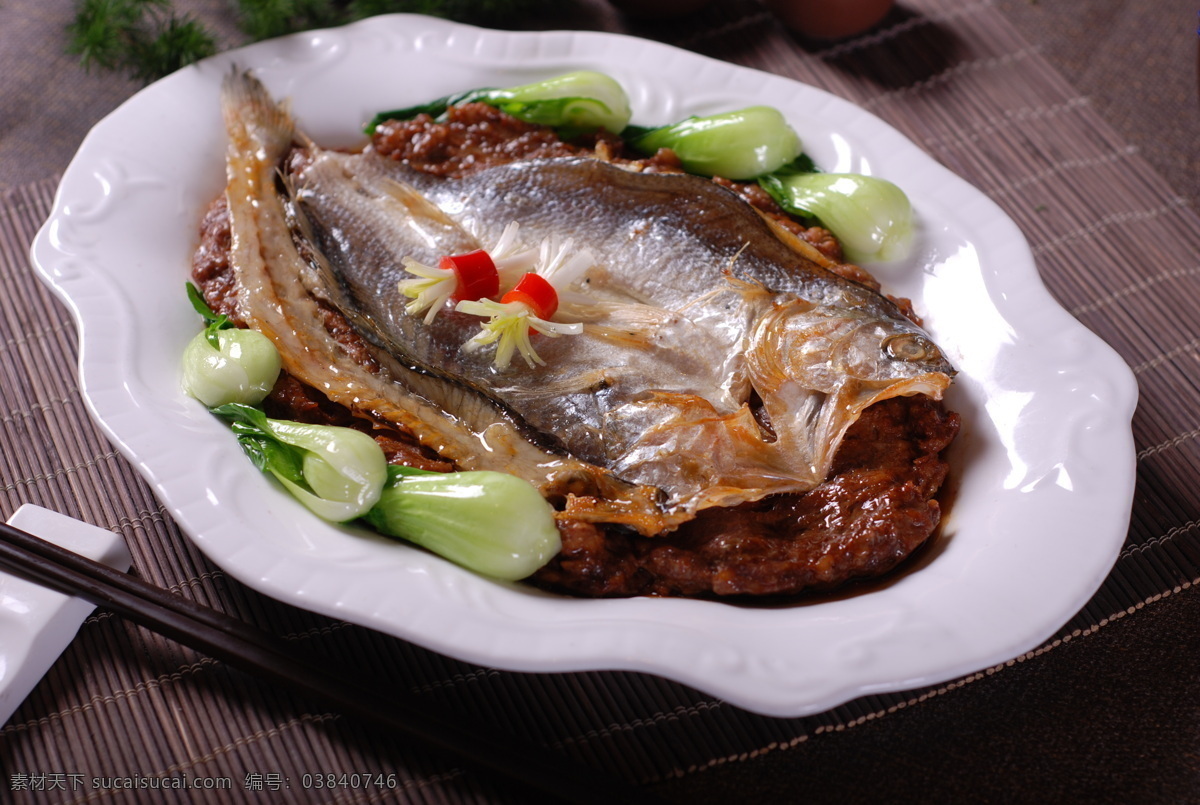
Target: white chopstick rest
[(36, 623)]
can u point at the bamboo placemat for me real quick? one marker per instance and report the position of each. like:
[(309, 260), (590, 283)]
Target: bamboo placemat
[(1114, 243)]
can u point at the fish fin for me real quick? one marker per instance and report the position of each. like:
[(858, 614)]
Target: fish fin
[(703, 456), (797, 244), (253, 117), (415, 203)]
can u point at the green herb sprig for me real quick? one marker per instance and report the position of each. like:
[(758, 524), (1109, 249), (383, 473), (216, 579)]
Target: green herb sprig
[(147, 39), (142, 38)]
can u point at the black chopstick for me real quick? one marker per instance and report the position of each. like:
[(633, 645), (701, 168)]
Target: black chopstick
[(242, 646)]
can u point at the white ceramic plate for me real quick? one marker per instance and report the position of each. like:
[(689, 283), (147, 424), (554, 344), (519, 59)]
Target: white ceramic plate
[(1044, 467)]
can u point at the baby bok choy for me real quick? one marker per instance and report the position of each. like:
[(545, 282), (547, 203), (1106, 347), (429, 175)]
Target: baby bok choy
[(489, 522), (337, 473), (734, 145), (225, 364), (572, 103), (870, 216)]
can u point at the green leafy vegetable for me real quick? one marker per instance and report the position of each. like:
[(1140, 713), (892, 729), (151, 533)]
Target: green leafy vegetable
[(212, 321), (870, 216), (489, 522), (573, 103), (338, 473), (224, 364), (735, 145)]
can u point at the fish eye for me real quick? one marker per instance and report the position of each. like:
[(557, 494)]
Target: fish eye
[(909, 347)]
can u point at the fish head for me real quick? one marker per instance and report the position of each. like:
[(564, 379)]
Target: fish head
[(816, 368), (855, 353)]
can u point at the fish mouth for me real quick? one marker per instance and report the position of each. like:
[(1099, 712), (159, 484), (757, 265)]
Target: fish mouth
[(930, 384)]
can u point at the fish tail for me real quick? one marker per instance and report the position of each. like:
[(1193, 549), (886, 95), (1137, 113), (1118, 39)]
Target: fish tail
[(252, 117)]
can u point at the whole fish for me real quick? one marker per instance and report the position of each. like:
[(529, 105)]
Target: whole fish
[(721, 360)]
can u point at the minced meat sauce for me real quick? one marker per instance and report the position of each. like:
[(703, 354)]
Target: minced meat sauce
[(877, 507)]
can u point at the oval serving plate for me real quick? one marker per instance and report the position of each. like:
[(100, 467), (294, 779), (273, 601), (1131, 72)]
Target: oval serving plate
[(1044, 466)]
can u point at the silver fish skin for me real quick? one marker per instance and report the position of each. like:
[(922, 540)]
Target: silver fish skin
[(721, 360), (275, 268)]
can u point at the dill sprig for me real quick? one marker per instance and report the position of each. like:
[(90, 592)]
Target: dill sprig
[(143, 38), (264, 19), (147, 40)]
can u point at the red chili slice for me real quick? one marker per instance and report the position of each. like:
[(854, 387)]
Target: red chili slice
[(536, 292), (476, 273)]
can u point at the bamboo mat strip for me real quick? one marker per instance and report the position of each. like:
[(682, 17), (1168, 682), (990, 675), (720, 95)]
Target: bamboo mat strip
[(1112, 241)]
